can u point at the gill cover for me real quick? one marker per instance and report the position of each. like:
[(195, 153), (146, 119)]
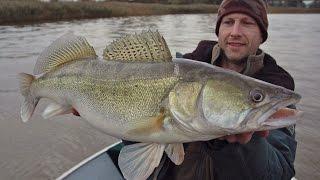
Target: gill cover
[(224, 104)]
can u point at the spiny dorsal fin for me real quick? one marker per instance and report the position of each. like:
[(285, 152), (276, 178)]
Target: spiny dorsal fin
[(67, 48), (147, 46)]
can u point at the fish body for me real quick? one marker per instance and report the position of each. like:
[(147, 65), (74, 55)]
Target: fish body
[(113, 96), (160, 103)]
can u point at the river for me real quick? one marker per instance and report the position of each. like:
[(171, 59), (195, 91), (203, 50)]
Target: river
[(44, 149)]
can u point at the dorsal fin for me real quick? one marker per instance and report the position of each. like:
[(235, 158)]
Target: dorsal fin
[(67, 48), (147, 46)]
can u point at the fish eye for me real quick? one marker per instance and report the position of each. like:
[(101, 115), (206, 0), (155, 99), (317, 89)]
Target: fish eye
[(257, 95)]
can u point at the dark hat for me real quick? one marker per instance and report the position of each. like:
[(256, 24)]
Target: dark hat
[(257, 9)]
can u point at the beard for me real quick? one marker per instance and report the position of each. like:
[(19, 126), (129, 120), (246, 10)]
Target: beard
[(238, 62)]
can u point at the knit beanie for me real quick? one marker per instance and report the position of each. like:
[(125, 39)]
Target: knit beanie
[(257, 9)]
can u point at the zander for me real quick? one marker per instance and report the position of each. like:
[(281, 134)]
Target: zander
[(138, 92)]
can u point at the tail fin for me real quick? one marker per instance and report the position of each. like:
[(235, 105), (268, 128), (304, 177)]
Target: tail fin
[(29, 102)]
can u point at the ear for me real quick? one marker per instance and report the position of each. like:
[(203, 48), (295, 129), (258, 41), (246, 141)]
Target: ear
[(261, 39)]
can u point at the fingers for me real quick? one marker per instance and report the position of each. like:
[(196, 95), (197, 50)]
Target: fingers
[(230, 138), (243, 138), (262, 133), (239, 138)]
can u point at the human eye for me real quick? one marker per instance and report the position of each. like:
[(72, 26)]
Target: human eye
[(249, 22), (227, 22)]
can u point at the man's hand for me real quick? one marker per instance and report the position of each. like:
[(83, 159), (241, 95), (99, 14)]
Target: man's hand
[(243, 138)]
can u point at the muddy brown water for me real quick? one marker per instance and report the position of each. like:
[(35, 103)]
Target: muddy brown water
[(44, 149)]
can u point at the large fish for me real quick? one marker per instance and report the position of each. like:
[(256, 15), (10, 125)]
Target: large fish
[(138, 92)]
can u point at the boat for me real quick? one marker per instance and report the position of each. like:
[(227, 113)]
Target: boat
[(100, 166)]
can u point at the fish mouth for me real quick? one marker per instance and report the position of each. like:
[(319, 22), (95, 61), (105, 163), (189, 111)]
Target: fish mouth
[(279, 115), (283, 117)]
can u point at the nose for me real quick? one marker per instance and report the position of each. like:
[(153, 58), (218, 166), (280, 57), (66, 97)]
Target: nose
[(236, 30)]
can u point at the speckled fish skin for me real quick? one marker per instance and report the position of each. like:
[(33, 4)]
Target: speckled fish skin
[(110, 95), (200, 101)]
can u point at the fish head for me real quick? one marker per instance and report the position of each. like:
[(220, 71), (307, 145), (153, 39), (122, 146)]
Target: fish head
[(234, 103)]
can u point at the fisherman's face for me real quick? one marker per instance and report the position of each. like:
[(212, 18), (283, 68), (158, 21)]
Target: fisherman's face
[(239, 36)]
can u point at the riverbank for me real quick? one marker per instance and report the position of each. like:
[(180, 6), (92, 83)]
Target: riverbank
[(18, 12), (27, 12)]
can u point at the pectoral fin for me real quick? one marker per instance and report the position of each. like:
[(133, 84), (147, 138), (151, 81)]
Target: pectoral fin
[(138, 161), (175, 152), (55, 109)]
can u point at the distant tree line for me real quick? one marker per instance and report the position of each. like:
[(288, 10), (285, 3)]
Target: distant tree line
[(287, 3), (175, 1), (275, 3), (315, 4), (294, 3)]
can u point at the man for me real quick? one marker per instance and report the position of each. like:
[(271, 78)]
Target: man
[(241, 28)]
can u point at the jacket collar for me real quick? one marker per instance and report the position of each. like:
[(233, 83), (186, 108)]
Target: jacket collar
[(253, 65)]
